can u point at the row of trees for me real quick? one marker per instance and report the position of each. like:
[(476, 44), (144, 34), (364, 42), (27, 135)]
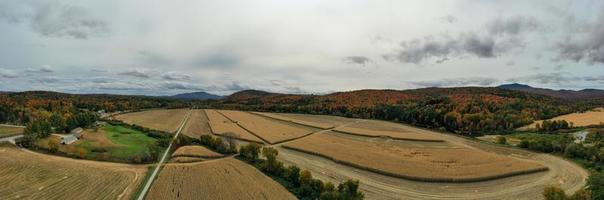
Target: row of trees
[(300, 183), (553, 125)]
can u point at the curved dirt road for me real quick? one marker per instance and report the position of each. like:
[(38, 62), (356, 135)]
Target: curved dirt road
[(562, 173)]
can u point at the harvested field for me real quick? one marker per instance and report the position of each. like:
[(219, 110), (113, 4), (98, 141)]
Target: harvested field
[(422, 164), (408, 135), (31, 175), (314, 124), (593, 117), (186, 159), (219, 179), (166, 120), (320, 119), (220, 125), (195, 151), (6, 131), (197, 125), (269, 130)]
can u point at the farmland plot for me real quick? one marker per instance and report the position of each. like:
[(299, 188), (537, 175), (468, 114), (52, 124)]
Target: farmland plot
[(220, 179), (195, 151), (6, 131), (320, 119), (314, 123), (458, 164), (268, 130), (166, 120), (31, 175), (593, 117), (411, 136), (220, 125), (197, 125)]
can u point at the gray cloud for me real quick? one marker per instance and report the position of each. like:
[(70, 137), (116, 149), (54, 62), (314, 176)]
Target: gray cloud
[(139, 73), (361, 60), (502, 36), (178, 85), (7, 73), (448, 19), (512, 26), (58, 20), (416, 51), (176, 76), (478, 81), (43, 69), (220, 59), (154, 58), (47, 79), (585, 44), (546, 78)]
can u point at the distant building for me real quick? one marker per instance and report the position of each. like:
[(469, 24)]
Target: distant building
[(68, 139), (77, 132)]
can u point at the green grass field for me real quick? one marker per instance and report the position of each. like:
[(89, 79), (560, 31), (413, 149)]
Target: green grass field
[(109, 143), (6, 131)]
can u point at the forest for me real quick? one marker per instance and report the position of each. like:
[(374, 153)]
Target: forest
[(469, 110)]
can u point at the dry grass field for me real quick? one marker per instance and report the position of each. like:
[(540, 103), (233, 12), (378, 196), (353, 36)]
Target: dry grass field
[(313, 123), (269, 130), (6, 131), (593, 117), (195, 151), (408, 135), (166, 120), (197, 125), (320, 119), (222, 179), (220, 125), (28, 175), (458, 164)]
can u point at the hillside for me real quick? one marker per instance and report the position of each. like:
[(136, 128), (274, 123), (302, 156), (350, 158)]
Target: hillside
[(464, 109), (196, 96), (585, 94)]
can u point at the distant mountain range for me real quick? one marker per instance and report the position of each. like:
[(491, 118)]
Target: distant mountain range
[(585, 94), (196, 96)]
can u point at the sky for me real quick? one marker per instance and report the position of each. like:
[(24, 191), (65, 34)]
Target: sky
[(158, 47)]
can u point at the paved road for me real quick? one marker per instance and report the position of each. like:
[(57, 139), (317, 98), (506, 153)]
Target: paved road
[(163, 159), (11, 139)]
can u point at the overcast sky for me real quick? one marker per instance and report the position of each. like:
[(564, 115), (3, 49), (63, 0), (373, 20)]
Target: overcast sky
[(159, 47)]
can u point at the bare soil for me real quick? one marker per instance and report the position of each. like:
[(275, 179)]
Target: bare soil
[(216, 179)]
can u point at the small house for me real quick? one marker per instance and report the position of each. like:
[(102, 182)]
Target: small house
[(77, 132), (68, 139)]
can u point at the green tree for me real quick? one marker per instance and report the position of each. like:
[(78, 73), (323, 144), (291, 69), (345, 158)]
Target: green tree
[(595, 183)]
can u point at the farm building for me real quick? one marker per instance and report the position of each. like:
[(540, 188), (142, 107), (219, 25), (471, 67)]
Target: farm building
[(77, 132), (68, 139)]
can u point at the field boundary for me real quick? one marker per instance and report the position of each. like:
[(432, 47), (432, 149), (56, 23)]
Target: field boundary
[(251, 132), (291, 121), (389, 137), (422, 179), (147, 185)]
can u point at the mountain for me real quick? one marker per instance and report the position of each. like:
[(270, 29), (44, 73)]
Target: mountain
[(585, 94), (249, 94), (196, 96)]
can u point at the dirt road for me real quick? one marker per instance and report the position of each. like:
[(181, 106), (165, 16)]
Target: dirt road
[(562, 173)]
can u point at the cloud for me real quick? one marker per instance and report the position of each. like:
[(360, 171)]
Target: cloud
[(7, 73), (448, 19), (510, 63), (220, 59), (176, 76), (361, 60), (58, 20), (154, 58), (477, 81), (501, 36), (47, 79), (43, 69), (585, 44), (546, 78), (512, 26), (139, 73), (178, 85), (416, 51)]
